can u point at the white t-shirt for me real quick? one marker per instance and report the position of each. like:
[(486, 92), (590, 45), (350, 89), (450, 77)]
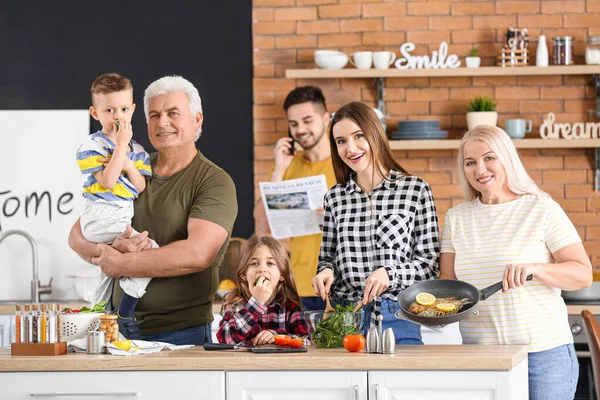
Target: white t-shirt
[(487, 237)]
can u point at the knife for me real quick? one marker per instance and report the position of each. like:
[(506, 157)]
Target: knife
[(222, 346)]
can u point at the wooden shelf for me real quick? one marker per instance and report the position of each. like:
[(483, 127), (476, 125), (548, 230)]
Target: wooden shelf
[(519, 143), (412, 73)]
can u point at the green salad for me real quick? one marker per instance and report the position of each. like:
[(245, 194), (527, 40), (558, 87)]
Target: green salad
[(330, 331)]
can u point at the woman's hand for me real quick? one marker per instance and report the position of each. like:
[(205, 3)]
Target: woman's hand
[(515, 275), (264, 337), (322, 282), (377, 283), (262, 290)]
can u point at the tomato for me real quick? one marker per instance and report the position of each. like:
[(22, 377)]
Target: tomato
[(68, 311), (354, 343), (282, 340), (296, 342), (75, 310)]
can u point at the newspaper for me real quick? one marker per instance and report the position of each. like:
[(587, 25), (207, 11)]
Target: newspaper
[(293, 206)]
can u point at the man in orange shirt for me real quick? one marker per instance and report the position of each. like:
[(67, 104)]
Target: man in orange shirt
[(308, 121)]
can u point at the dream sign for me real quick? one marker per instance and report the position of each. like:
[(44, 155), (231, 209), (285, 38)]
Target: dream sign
[(438, 59)]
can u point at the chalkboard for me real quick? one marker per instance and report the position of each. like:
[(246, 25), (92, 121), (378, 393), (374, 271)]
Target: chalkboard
[(51, 53)]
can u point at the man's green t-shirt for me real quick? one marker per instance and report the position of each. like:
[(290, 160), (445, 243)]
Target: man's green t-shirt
[(201, 190)]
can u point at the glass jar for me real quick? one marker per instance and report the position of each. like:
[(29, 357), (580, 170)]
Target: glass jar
[(562, 50), (592, 51), (108, 324)]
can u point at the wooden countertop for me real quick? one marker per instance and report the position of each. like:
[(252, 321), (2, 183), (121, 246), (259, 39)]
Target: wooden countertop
[(427, 357), (577, 308)]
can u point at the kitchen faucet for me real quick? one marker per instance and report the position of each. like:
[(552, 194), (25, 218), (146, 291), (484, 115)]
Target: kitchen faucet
[(36, 288)]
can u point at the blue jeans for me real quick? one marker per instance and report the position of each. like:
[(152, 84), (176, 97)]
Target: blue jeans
[(553, 373), (313, 303), (196, 335)]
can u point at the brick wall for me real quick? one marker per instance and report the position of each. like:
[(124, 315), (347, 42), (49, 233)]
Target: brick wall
[(286, 33)]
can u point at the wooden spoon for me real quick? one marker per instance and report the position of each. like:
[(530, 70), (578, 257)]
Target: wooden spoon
[(358, 306), (328, 307)]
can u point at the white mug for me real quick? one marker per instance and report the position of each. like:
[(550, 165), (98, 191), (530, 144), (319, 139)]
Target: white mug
[(362, 59), (383, 59)]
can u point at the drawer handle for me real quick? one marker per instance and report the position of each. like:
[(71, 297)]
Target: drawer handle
[(114, 394)]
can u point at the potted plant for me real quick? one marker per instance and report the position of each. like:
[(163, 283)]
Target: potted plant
[(474, 60), (483, 112)]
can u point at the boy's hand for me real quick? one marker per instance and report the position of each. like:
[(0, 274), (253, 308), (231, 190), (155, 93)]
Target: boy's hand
[(124, 132), (262, 290)]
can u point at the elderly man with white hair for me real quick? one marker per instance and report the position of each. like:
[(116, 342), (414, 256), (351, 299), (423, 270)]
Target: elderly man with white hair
[(189, 207)]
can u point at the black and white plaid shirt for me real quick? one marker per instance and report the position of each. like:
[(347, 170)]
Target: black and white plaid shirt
[(395, 228)]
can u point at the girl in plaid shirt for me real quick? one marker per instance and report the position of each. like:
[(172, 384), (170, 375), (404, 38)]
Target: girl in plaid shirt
[(266, 302), (380, 233)]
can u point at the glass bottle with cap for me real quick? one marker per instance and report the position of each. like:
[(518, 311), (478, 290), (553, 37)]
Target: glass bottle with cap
[(108, 324), (562, 50), (592, 51)]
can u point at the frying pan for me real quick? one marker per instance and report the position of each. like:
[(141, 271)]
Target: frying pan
[(446, 288)]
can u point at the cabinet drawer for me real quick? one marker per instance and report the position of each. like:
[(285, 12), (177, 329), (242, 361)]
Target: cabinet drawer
[(119, 385)]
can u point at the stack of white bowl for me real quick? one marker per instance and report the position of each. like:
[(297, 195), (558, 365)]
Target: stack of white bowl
[(331, 59)]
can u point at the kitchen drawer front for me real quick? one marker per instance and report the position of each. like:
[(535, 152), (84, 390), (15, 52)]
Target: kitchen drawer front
[(118, 385), (297, 385)]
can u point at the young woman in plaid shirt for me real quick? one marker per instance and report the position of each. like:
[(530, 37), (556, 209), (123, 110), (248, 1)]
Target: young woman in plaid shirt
[(380, 234), (266, 302)]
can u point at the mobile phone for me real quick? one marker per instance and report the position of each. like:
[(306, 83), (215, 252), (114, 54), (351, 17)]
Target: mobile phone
[(293, 141)]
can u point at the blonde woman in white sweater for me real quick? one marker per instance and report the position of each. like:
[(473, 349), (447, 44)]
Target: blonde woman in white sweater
[(509, 229)]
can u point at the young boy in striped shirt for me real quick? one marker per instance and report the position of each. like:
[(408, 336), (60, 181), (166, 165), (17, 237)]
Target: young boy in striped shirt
[(115, 169)]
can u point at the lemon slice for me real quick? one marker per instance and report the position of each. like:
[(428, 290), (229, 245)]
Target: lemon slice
[(445, 307), (123, 344), (425, 299)]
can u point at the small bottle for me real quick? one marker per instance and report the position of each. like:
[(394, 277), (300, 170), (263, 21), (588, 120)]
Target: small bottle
[(58, 323), (51, 324), (541, 56), (35, 324), (27, 325), (17, 323), (43, 325)]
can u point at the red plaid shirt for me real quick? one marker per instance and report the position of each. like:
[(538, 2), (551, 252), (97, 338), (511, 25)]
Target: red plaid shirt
[(242, 324)]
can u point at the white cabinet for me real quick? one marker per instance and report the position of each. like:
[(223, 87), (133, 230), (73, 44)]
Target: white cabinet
[(297, 385), (449, 385), (150, 385)]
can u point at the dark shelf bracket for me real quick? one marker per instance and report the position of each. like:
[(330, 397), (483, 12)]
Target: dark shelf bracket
[(381, 87), (597, 170), (597, 82)]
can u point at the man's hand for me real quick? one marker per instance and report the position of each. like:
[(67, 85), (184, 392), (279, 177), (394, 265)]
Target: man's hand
[(127, 244), (322, 282), (376, 284), (109, 261), (262, 291), (283, 156), (124, 132), (264, 337)]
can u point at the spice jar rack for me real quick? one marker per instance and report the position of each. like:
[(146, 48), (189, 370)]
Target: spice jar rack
[(37, 331)]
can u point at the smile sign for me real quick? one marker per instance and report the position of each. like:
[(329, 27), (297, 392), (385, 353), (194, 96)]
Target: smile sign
[(438, 59)]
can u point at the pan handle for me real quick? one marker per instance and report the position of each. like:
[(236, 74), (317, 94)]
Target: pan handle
[(485, 293)]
